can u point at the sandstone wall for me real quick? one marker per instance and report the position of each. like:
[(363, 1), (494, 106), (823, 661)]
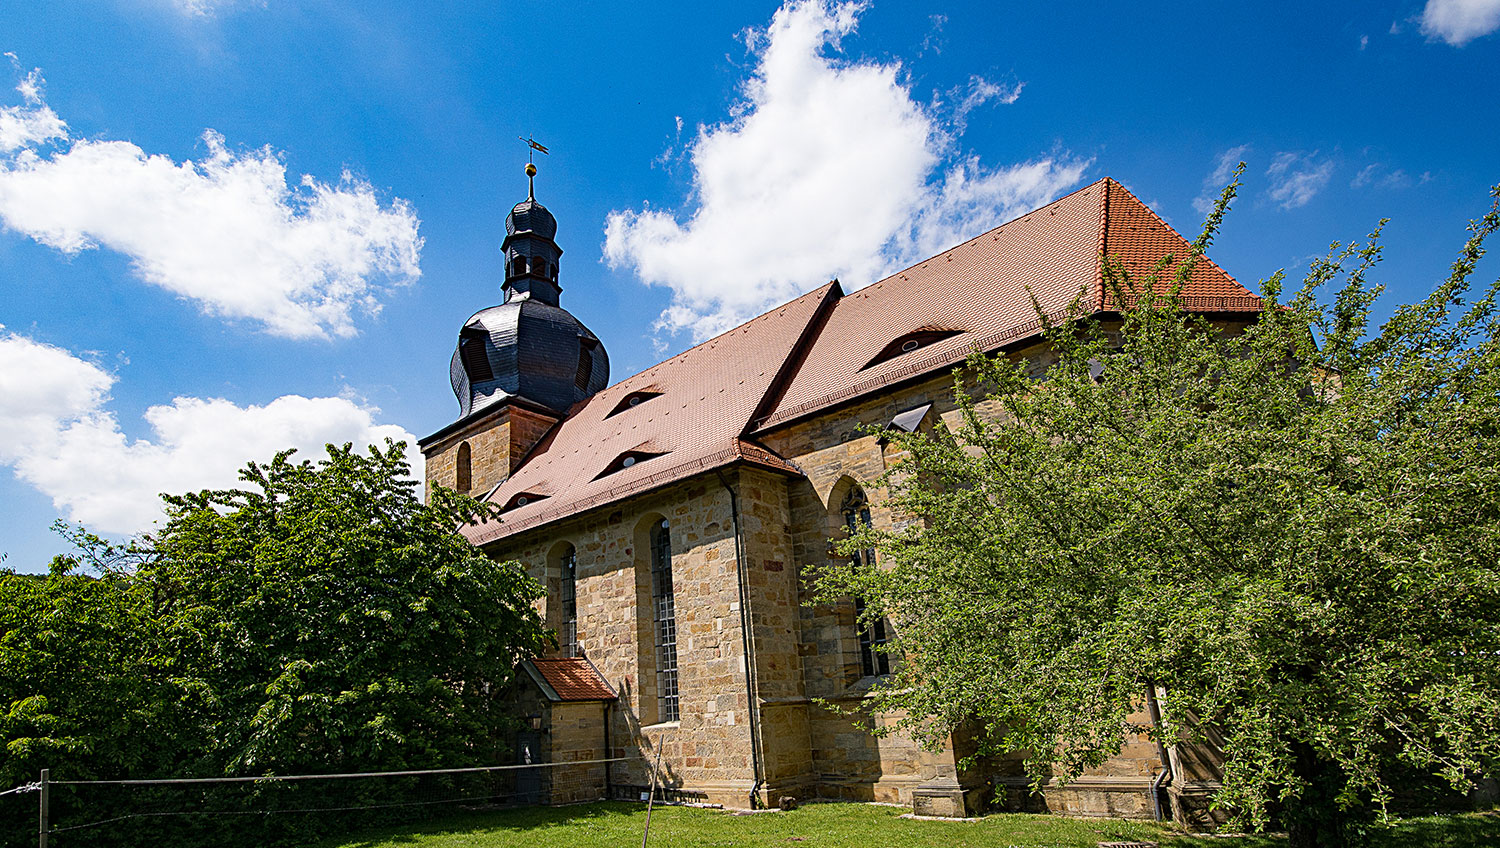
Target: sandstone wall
[(497, 444)]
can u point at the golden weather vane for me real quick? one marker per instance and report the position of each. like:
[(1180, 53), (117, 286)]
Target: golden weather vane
[(533, 145)]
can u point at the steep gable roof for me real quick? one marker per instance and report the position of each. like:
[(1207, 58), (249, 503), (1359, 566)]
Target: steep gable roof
[(700, 409), (568, 679), (983, 289), (695, 409)]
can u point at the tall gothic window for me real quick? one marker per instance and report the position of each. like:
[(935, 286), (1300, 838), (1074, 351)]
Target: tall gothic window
[(872, 635), (666, 622), (568, 599), (463, 469)]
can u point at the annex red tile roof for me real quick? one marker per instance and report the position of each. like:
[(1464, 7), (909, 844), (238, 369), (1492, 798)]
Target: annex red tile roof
[(984, 288), (707, 396), (573, 679)]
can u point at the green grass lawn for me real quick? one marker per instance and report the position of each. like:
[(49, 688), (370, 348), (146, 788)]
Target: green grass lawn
[(843, 826)]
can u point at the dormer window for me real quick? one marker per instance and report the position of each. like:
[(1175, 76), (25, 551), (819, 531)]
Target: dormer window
[(632, 400), (912, 341), (585, 371), (471, 353), (628, 459), (522, 499)]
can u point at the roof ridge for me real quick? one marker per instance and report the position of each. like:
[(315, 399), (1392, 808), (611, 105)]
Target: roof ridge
[(1203, 258), (722, 335), (795, 358), (1103, 243), (1001, 226)]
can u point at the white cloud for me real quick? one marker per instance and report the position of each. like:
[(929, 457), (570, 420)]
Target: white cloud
[(1377, 175), (981, 91), (227, 231), (825, 168), (58, 435), (30, 124), (1297, 178), (1214, 183), (1460, 21), (205, 8)]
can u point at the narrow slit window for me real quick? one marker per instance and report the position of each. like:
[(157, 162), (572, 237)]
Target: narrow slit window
[(463, 469), (665, 613), (568, 600)]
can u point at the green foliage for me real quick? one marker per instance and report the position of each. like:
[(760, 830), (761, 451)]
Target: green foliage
[(320, 619), (1293, 530)]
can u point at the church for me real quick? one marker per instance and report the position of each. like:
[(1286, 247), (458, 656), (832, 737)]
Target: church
[(672, 515)]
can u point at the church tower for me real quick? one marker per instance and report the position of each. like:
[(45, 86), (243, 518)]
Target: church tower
[(518, 367)]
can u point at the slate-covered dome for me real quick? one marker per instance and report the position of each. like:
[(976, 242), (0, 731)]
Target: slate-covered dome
[(531, 216), (528, 347)]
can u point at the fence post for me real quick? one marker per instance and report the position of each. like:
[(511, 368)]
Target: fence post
[(42, 824)]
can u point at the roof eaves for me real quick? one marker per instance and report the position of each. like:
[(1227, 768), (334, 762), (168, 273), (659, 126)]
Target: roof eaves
[(482, 412), (651, 482), (541, 681)]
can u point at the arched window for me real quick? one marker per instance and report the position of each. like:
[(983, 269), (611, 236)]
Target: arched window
[(518, 266), (872, 634), (464, 477), (568, 599), (664, 607)]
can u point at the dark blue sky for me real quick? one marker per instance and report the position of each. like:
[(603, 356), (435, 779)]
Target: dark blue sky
[(708, 160)]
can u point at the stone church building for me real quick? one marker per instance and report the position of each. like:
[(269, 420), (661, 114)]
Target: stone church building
[(672, 515)]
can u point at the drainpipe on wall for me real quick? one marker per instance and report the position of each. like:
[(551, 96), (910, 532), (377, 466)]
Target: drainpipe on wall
[(609, 768), (747, 639), (1166, 776)]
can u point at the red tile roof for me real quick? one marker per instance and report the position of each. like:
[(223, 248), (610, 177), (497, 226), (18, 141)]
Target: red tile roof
[(821, 349), (984, 287), (708, 394), (573, 679), (1135, 236)]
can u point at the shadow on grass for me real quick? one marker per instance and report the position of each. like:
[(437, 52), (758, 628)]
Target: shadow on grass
[(533, 821)]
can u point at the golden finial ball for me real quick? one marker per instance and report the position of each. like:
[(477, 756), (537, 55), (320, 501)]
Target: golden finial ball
[(530, 170)]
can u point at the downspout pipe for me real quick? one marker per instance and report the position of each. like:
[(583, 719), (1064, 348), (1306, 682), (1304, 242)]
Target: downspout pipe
[(609, 767), (1156, 782), (747, 643), (1154, 709)]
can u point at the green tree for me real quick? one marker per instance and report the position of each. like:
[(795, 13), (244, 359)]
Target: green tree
[(1292, 530), (320, 619), (337, 620)]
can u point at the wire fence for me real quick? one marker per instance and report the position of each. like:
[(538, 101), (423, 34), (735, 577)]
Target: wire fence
[(278, 809)]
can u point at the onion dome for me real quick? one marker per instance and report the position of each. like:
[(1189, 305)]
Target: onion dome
[(528, 347), (529, 216)]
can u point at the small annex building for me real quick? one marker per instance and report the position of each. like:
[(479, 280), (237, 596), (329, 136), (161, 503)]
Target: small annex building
[(672, 515)]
